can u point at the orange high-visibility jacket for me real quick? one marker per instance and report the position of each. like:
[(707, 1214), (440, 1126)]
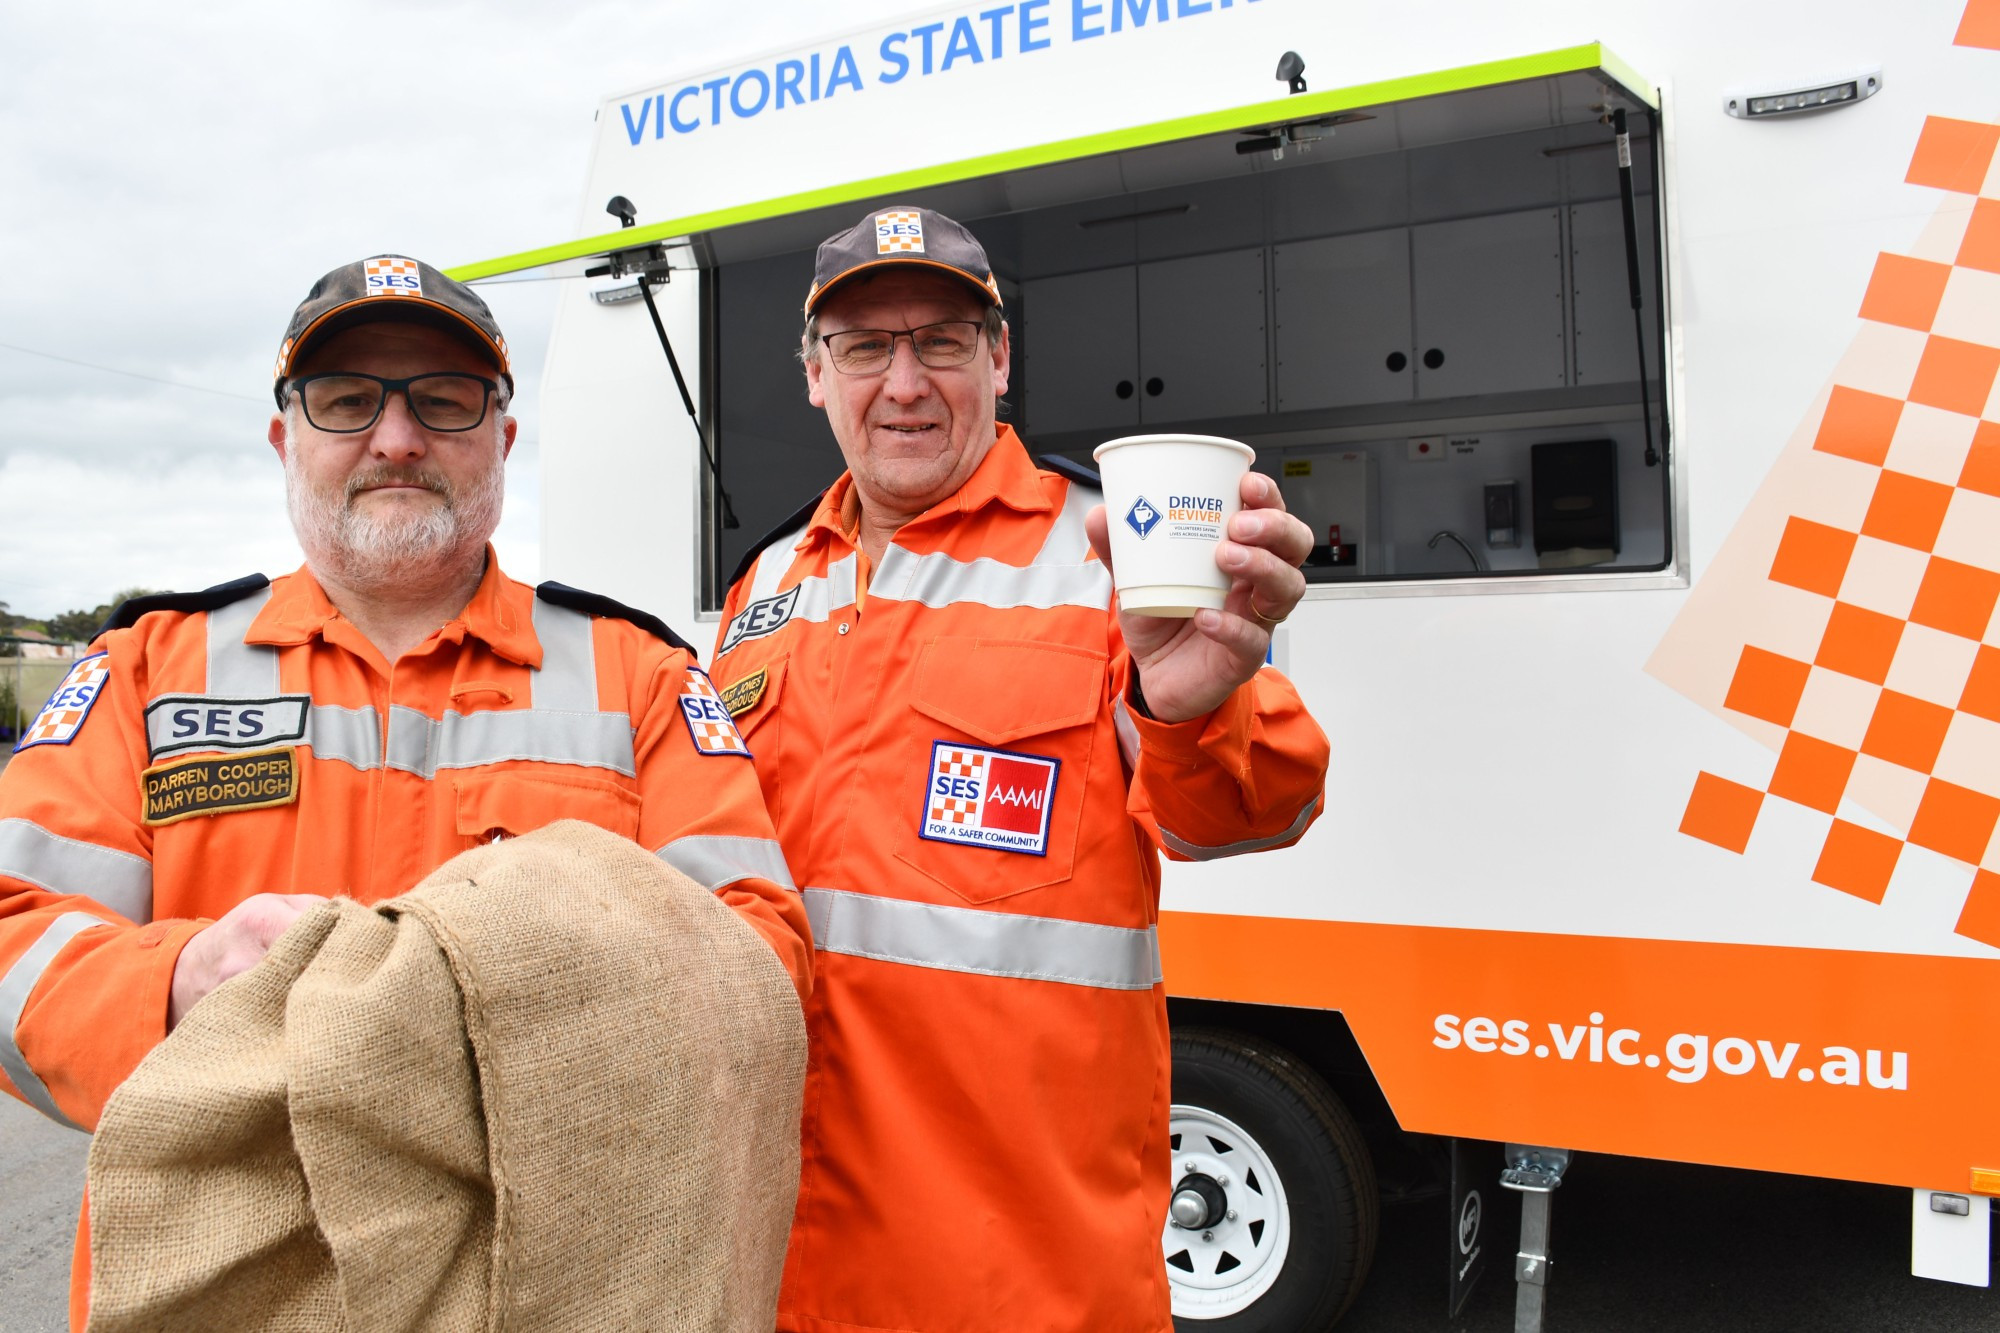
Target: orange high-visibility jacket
[(264, 745), (973, 811)]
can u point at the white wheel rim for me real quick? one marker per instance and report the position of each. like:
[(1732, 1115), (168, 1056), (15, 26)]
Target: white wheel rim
[(1226, 1268)]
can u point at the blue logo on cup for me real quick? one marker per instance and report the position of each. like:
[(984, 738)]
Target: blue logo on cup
[(1142, 518)]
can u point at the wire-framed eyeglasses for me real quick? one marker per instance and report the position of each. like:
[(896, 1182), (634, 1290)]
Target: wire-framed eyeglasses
[(344, 402), (869, 351)]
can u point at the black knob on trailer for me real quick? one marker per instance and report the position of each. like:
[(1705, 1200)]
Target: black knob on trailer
[(1396, 362), (1153, 387), (1124, 388), (1433, 359)]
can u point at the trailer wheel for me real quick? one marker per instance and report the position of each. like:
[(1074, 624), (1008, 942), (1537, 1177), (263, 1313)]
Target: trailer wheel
[(1274, 1212)]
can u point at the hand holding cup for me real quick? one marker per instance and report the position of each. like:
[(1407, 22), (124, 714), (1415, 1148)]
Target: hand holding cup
[(1196, 629)]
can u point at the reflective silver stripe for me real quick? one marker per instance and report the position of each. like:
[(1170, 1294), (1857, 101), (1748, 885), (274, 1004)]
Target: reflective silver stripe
[(992, 944), (1128, 733), (1067, 543), (1196, 852), (937, 580), (351, 735), (820, 595), (471, 740), (567, 679), (118, 880), (718, 861), (15, 988), (772, 562), (239, 670), (411, 742)]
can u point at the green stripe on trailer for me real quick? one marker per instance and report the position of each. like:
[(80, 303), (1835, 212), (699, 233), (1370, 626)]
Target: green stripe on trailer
[(1303, 106)]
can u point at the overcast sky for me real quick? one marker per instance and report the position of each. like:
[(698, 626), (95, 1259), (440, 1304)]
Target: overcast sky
[(173, 178)]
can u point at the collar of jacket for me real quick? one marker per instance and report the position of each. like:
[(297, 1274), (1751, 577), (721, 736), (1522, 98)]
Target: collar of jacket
[(1005, 476), (500, 614)]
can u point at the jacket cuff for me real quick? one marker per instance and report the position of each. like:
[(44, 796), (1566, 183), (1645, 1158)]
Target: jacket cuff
[(1192, 741)]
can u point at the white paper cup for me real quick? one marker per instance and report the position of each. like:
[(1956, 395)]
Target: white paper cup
[(1168, 499)]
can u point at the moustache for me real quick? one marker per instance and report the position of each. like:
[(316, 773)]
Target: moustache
[(397, 476)]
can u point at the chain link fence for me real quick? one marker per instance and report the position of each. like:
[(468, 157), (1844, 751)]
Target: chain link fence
[(25, 685)]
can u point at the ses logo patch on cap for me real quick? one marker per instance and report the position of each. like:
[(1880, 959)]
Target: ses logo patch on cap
[(899, 233), (62, 716), (392, 275), (989, 798), (707, 717)]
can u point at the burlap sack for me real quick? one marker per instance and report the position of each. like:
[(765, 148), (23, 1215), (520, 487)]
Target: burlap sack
[(554, 1087)]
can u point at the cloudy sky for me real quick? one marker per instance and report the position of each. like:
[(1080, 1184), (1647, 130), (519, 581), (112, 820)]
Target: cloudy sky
[(175, 178)]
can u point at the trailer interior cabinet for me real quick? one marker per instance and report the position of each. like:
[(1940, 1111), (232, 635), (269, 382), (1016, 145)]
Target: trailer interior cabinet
[(1600, 296), (1343, 320), (1488, 304), (1170, 341)]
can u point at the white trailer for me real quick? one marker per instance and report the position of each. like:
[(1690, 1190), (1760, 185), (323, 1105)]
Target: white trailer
[(1656, 645)]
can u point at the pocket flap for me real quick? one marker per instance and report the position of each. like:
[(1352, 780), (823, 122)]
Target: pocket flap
[(997, 690), (514, 804)]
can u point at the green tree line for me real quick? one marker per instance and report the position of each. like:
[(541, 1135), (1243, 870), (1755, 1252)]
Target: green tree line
[(70, 627)]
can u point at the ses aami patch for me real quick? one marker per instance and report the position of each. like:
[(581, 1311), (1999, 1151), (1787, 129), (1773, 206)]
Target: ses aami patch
[(213, 784), (989, 798)]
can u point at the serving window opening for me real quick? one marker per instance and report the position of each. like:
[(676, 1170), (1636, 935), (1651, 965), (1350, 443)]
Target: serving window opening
[(1420, 315)]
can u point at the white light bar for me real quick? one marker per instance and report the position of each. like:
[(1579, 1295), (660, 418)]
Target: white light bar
[(1857, 87)]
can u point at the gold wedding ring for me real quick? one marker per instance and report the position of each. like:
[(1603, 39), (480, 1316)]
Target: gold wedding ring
[(1262, 619)]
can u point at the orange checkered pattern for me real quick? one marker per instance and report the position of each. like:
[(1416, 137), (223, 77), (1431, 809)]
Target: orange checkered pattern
[(392, 266), (1903, 689), (718, 737), (957, 764), (59, 724), (895, 244)]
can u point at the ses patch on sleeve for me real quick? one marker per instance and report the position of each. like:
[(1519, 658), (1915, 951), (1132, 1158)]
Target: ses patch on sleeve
[(63, 715), (708, 722)]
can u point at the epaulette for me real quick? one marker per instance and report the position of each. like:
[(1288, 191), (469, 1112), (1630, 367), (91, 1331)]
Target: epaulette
[(126, 614), (792, 523), (1069, 467), (596, 604)]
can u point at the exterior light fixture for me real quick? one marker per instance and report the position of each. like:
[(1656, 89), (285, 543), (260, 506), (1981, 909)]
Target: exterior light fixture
[(1856, 87)]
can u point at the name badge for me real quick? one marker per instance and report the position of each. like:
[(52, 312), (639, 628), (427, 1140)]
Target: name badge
[(177, 722), (219, 784), (761, 617)]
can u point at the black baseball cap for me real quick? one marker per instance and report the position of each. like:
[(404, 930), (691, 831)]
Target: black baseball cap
[(386, 288), (902, 234)]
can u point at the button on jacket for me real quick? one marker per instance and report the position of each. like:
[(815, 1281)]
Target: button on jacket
[(512, 716), (974, 813)]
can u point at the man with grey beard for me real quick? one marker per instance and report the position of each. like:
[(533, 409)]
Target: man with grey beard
[(222, 759)]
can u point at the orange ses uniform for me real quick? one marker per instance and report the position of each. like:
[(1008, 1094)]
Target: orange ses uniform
[(263, 745), (973, 811)]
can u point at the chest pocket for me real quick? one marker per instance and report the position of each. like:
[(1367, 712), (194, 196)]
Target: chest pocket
[(1000, 733), (514, 803), (751, 689)]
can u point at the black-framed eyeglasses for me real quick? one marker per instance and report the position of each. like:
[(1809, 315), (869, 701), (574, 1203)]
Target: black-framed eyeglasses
[(343, 402), (869, 351)]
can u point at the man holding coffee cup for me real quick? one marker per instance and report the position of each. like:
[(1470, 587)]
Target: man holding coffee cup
[(973, 763)]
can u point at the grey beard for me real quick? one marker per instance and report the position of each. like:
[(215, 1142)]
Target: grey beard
[(364, 550)]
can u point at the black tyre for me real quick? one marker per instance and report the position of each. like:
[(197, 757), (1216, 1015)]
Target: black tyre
[(1275, 1211)]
